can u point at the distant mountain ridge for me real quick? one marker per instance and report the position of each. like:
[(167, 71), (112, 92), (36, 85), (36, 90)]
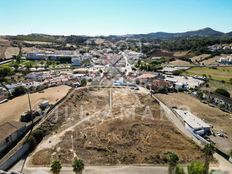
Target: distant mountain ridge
[(206, 32)]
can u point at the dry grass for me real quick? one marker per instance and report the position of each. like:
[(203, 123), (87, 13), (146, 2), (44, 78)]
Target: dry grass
[(115, 137), (179, 63), (219, 119), (12, 109), (11, 51)]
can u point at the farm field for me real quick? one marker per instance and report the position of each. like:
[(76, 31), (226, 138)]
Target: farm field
[(213, 116), (116, 126), (218, 73), (213, 85), (12, 109)]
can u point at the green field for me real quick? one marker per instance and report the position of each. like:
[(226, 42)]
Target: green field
[(217, 73), (213, 85)]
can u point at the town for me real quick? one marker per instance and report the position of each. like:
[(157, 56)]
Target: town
[(135, 103)]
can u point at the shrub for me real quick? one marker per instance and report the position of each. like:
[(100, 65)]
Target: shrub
[(222, 92), (56, 167), (78, 166), (20, 90), (196, 168)]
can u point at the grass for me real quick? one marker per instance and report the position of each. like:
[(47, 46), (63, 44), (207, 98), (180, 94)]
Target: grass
[(218, 73), (213, 85)]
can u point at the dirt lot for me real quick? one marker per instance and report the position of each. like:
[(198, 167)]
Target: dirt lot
[(11, 51), (179, 63), (3, 46), (129, 132), (214, 116), (199, 58), (12, 109)]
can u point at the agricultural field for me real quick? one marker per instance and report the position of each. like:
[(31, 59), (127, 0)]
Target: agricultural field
[(212, 85), (217, 73), (110, 127), (12, 109)]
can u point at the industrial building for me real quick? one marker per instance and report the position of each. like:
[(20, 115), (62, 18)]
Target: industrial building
[(193, 123)]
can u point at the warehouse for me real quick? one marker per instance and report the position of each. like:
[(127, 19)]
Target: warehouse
[(193, 123)]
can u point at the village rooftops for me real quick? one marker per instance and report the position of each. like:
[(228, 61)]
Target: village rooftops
[(193, 121), (8, 128)]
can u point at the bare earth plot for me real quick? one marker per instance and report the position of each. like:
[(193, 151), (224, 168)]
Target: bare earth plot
[(219, 119), (12, 109), (129, 132), (11, 51), (199, 58), (179, 63)]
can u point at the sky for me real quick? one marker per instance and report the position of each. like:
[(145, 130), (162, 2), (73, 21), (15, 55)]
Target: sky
[(112, 17)]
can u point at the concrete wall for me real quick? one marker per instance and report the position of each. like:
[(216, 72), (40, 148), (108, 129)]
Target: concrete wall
[(15, 157), (12, 139)]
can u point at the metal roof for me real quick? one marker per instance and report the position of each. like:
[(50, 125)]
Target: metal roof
[(192, 120)]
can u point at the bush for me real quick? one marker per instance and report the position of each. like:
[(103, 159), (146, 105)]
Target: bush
[(38, 135), (222, 92), (179, 170), (196, 168), (83, 82), (31, 140), (20, 90)]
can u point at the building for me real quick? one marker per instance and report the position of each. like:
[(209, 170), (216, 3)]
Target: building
[(184, 82), (193, 123), (160, 85), (36, 56), (10, 132), (75, 61)]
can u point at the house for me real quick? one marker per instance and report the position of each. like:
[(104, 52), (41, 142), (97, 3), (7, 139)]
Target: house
[(160, 84), (10, 132), (36, 56), (75, 61)]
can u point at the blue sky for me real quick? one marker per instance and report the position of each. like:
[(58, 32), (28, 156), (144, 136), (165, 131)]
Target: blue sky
[(105, 17)]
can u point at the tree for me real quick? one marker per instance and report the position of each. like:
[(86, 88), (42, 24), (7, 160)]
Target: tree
[(16, 65), (208, 151), (4, 72), (196, 168), (19, 56), (28, 66), (78, 166), (83, 82), (172, 161), (222, 92), (20, 90), (179, 170), (56, 167)]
